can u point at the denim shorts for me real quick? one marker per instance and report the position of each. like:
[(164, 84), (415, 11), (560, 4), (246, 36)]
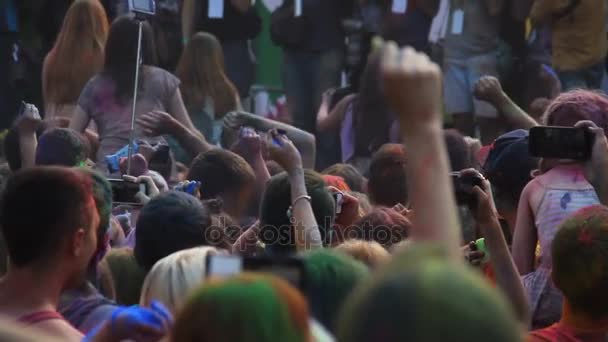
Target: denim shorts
[(460, 76)]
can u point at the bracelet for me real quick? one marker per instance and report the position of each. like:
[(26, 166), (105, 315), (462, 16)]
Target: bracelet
[(306, 197)]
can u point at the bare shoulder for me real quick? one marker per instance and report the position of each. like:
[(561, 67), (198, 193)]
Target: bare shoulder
[(60, 329)]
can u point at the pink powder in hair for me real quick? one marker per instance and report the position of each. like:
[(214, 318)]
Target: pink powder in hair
[(576, 105)]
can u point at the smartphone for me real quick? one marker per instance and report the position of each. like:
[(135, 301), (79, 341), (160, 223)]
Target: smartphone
[(123, 193), (463, 187), (561, 142), (147, 7), (290, 269), (339, 199)]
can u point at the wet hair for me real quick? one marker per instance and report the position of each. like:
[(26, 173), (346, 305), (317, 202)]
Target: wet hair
[(458, 150), (40, 208), (61, 147), (220, 172), (276, 229), (387, 185), (352, 176), (244, 308), (121, 55), (580, 265), (170, 222), (330, 277), (383, 225), (371, 253), (571, 107), (422, 296)]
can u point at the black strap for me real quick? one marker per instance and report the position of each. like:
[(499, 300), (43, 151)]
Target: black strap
[(568, 10)]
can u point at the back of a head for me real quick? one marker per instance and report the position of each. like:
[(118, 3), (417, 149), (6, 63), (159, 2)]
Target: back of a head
[(276, 226), (571, 107), (245, 308), (580, 266), (387, 185), (458, 150), (423, 297), (174, 276), (330, 277), (220, 172), (352, 176), (40, 208), (61, 147), (509, 166), (371, 253), (121, 54), (171, 222), (383, 225)]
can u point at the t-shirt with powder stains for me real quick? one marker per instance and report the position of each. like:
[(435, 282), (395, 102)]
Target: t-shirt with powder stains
[(113, 117)]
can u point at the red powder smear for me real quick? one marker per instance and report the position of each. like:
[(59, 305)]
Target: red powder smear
[(585, 238)]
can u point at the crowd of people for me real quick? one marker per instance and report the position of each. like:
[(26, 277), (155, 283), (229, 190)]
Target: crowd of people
[(408, 205)]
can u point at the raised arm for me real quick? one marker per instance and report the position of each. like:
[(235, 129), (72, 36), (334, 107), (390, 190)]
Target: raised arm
[(596, 169), (507, 277), (26, 127), (306, 229), (488, 89), (80, 120), (159, 123), (412, 84), (304, 141), (327, 119)]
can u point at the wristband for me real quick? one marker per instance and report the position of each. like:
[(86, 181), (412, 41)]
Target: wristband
[(299, 198)]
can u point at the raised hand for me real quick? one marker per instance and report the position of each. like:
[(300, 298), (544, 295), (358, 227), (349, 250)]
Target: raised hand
[(30, 120), (488, 89), (283, 151), (249, 145), (597, 166), (412, 85)]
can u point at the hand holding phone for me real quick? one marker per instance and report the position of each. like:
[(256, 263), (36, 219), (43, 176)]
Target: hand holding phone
[(463, 183), (28, 118), (573, 143)]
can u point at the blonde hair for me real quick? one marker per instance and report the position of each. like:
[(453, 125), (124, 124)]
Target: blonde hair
[(172, 278), (370, 253)]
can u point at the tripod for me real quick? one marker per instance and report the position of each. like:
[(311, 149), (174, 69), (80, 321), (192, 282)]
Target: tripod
[(138, 63)]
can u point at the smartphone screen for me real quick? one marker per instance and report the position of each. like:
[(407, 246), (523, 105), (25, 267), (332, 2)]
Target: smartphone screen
[(560, 142), (224, 265), (143, 6), (124, 192)]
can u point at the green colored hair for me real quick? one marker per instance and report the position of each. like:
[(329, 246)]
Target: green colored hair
[(422, 297), (245, 308), (580, 261), (330, 277)]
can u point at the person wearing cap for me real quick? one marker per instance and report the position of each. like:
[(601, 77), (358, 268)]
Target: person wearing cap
[(509, 167)]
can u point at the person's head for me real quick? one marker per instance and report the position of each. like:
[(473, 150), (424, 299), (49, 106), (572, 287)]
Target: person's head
[(78, 52), (201, 70), (509, 167), (422, 296), (330, 278), (350, 174), (174, 276), (580, 266), (576, 105), (387, 185), (49, 222), (383, 225), (244, 308), (224, 175), (336, 182), (276, 224), (102, 195), (458, 150), (121, 54), (371, 114), (371, 253), (171, 222), (61, 147)]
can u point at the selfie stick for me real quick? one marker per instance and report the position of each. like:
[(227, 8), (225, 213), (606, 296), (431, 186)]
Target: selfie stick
[(137, 66)]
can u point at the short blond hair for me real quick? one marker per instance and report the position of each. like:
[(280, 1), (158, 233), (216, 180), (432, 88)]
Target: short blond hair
[(370, 253), (172, 278)]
